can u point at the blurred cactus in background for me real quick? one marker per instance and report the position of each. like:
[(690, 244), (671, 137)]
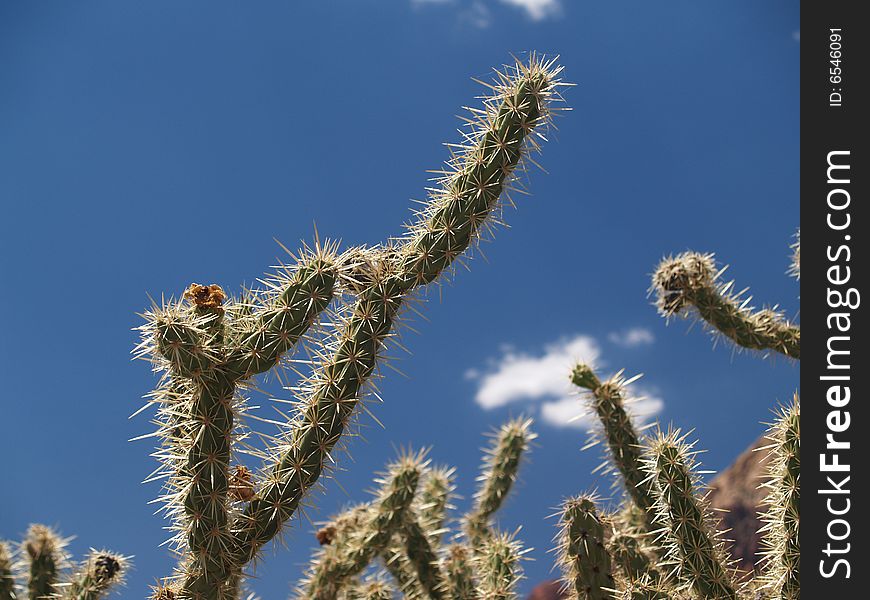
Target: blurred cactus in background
[(41, 568)]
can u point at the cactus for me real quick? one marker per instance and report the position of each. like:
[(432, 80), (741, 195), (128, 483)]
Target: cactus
[(498, 474), (691, 542), (44, 551), (498, 565), (7, 578), (782, 521), (459, 573), (97, 575), (691, 280), (209, 347), (585, 558), (365, 542), (607, 401), (628, 552)]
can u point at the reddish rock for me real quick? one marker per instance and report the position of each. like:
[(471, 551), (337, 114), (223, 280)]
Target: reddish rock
[(549, 590)]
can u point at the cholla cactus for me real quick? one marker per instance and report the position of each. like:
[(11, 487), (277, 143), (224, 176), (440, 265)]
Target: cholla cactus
[(7, 578), (692, 280), (498, 564), (782, 521), (691, 541), (43, 566), (209, 347), (608, 402), (98, 574), (584, 554), (499, 471)]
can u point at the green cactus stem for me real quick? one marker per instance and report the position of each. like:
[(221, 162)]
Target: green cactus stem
[(364, 543), (689, 538), (584, 555), (101, 572), (46, 560), (781, 531), (607, 400), (7, 578), (498, 565), (372, 590), (433, 501), (498, 474), (691, 280), (402, 570), (648, 588), (459, 573)]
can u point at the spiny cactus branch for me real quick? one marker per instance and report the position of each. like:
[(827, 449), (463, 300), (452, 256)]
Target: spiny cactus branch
[(691, 542), (691, 280), (584, 555)]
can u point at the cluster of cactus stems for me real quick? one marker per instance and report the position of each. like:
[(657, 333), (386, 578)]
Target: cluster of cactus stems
[(343, 308), (40, 567), (398, 538)]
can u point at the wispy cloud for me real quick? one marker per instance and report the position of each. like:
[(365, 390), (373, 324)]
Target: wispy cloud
[(632, 338), (537, 10), (539, 382), (477, 13)]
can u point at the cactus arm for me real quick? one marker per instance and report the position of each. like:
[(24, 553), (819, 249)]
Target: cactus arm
[(459, 574), (607, 400), (692, 280), (447, 227), (373, 590), (7, 579), (585, 558), (101, 572), (44, 553), (362, 545), (782, 520), (276, 325), (402, 571), (499, 472), (499, 566), (433, 502), (692, 545), (423, 558), (646, 588)]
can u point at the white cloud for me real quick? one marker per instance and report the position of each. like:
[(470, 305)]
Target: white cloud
[(632, 338), (540, 382), (517, 376), (537, 10)]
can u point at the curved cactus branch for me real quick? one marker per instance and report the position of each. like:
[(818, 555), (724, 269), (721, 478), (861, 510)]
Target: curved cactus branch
[(691, 280)]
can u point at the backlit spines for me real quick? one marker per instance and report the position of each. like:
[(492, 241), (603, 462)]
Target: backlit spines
[(8, 589), (583, 551), (45, 560), (607, 400), (363, 543), (781, 541), (694, 551), (97, 576), (795, 267), (433, 502), (500, 468), (459, 573), (692, 281), (498, 566)]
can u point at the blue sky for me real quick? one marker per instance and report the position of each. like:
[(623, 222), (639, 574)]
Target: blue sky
[(148, 145)]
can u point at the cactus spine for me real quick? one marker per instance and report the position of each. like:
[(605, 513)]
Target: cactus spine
[(782, 522), (691, 542), (584, 554), (460, 573), (691, 280), (499, 566)]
